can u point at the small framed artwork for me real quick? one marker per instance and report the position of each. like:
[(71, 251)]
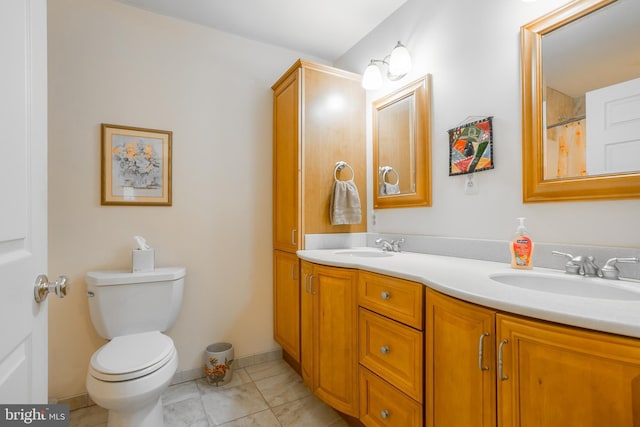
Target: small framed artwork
[(136, 166), (471, 147)]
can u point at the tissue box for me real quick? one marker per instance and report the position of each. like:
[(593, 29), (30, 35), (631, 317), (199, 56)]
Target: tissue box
[(142, 260)]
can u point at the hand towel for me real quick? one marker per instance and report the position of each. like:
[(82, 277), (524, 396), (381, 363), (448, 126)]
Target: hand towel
[(345, 203), (391, 188)]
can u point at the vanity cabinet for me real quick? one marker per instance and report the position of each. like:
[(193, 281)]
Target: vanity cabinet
[(329, 335), (286, 302), (558, 376), (391, 343), (460, 363), (486, 368), (318, 120), (286, 173)]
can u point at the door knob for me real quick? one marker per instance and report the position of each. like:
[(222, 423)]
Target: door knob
[(42, 287)]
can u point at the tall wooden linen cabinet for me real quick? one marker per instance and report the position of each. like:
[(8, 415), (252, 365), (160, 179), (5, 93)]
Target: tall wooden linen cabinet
[(318, 120)]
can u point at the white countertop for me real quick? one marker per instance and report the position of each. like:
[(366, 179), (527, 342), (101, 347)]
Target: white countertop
[(468, 279)]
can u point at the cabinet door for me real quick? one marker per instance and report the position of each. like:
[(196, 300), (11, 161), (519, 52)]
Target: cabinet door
[(286, 302), (306, 323), (334, 129), (558, 376), (286, 210), (460, 382), (335, 365)]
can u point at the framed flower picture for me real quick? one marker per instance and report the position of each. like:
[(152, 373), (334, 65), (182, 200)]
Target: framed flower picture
[(136, 166), (471, 147)]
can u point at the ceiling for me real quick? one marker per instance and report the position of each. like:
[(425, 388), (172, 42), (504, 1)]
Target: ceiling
[(325, 29)]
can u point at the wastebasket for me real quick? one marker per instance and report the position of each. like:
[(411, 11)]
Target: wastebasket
[(218, 360)]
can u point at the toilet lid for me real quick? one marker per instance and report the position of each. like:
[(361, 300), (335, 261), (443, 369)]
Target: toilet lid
[(131, 356)]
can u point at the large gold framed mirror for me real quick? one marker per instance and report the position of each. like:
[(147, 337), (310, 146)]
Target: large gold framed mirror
[(581, 102), (402, 147)]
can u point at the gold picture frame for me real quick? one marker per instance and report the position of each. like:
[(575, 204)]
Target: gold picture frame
[(136, 166)]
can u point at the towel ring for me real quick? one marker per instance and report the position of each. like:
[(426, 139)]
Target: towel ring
[(384, 170), (341, 165)]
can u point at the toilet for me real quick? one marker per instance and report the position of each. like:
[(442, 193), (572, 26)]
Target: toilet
[(128, 375)]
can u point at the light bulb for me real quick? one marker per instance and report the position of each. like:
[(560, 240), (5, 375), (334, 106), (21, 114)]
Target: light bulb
[(400, 60), (372, 78)]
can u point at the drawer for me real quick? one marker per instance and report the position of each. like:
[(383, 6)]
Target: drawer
[(398, 299), (393, 351), (383, 405)]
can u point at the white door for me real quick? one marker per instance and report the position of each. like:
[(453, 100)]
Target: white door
[(613, 128), (23, 200)]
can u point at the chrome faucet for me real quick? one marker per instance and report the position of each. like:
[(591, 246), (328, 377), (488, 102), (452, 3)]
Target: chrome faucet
[(587, 266), (584, 266), (610, 271), (396, 244), (572, 266), (386, 245), (390, 246)]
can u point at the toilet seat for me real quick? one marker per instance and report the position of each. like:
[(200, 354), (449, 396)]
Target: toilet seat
[(131, 356)]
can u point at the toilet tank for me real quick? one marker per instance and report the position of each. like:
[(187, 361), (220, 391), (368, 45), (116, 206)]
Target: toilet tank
[(123, 303)]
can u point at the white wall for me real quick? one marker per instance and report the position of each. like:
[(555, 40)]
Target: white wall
[(471, 49), (110, 63)]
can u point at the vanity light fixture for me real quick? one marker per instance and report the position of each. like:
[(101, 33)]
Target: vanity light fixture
[(398, 65)]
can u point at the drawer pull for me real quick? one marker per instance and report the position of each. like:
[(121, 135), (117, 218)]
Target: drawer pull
[(384, 414), (385, 295), (311, 291), (481, 352), (385, 349), (500, 374)]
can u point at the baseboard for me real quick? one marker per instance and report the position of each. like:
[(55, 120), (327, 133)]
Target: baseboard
[(242, 362), (75, 402)]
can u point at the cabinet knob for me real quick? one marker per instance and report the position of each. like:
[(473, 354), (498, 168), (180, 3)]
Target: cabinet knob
[(384, 414), (385, 349), (385, 295)]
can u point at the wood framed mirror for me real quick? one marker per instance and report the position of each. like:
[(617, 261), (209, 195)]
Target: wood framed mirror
[(402, 147), (574, 54)]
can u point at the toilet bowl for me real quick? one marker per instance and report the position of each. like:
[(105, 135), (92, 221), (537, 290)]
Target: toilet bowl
[(128, 375)]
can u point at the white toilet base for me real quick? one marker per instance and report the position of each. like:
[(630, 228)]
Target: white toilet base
[(134, 403), (150, 416)]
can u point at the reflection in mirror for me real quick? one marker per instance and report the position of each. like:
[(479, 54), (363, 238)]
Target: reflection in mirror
[(396, 147), (401, 147), (580, 139), (581, 102)]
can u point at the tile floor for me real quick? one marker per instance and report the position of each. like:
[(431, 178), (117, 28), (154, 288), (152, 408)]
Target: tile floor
[(269, 394)]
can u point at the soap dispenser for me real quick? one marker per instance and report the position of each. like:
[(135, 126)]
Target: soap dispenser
[(522, 248)]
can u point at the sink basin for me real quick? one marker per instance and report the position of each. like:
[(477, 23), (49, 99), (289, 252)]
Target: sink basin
[(573, 285), (365, 253)]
